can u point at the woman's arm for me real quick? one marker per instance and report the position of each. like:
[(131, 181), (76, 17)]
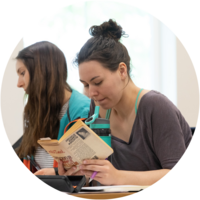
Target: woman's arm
[(141, 177), (45, 171), (109, 175), (61, 171)]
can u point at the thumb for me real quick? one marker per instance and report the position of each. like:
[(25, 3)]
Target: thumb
[(61, 170)]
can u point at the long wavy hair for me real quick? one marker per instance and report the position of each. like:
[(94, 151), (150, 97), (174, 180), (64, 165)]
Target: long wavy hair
[(47, 68)]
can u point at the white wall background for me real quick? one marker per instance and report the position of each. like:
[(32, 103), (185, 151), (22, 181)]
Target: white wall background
[(12, 99), (187, 86)]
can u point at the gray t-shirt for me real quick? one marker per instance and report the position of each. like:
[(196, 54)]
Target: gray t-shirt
[(159, 137)]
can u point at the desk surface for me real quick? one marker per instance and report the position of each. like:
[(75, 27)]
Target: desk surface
[(102, 195)]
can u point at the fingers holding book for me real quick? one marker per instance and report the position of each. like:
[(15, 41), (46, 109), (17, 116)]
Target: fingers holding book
[(61, 171), (107, 174), (74, 170)]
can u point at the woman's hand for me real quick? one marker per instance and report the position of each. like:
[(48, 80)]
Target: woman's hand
[(107, 174), (61, 171), (72, 171), (45, 171)]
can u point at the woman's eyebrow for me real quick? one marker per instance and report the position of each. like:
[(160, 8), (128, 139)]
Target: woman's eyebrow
[(19, 70), (93, 78), (90, 79)]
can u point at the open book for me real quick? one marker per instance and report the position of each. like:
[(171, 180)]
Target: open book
[(114, 188), (77, 144)]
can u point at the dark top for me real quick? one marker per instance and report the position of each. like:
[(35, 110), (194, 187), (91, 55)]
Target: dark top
[(159, 137)]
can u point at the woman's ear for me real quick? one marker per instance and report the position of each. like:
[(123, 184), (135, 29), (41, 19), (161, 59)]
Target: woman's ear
[(122, 70)]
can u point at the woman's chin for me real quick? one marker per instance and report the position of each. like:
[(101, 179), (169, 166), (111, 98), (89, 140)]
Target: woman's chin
[(105, 106)]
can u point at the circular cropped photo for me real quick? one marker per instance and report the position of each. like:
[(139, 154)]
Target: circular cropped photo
[(120, 64)]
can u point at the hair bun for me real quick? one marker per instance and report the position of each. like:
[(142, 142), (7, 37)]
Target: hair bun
[(108, 29)]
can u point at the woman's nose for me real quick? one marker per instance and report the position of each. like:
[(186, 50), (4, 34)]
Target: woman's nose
[(92, 92), (19, 83)]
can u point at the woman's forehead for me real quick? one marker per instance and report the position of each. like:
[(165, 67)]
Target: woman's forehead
[(92, 68), (20, 65), (91, 64)]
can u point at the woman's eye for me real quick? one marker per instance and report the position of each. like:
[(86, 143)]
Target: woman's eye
[(22, 73), (98, 83), (86, 86)]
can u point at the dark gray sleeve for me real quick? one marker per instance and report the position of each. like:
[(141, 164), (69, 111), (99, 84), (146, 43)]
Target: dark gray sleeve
[(167, 133)]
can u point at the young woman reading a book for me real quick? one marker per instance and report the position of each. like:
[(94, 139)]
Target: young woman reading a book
[(51, 103), (149, 134)]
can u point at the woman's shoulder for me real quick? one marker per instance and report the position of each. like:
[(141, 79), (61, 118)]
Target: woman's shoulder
[(152, 96), (79, 104), (77, 96), (154, 100)]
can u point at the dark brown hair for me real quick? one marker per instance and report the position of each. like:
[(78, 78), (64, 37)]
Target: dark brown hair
[(47, 68), (105, 47)]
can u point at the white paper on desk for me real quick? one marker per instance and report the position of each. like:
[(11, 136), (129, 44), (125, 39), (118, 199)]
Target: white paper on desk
[(114, 188)]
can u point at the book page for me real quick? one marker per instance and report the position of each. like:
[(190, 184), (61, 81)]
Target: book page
[(60, 153), (85, 144), (47, 141)]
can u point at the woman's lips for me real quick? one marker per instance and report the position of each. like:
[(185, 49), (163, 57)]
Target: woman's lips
[(99, 101)]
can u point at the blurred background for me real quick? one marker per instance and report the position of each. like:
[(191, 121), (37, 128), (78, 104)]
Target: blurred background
[(158, 59)]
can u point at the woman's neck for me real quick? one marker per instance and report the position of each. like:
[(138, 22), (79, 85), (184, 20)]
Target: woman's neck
[(126, 105), (66, 96)]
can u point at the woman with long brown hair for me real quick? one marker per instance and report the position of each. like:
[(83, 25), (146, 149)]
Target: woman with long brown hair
[(51, 104)]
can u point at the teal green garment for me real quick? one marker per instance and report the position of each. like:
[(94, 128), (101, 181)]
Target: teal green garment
[(137, 100), (109, 110), (79, 106)]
